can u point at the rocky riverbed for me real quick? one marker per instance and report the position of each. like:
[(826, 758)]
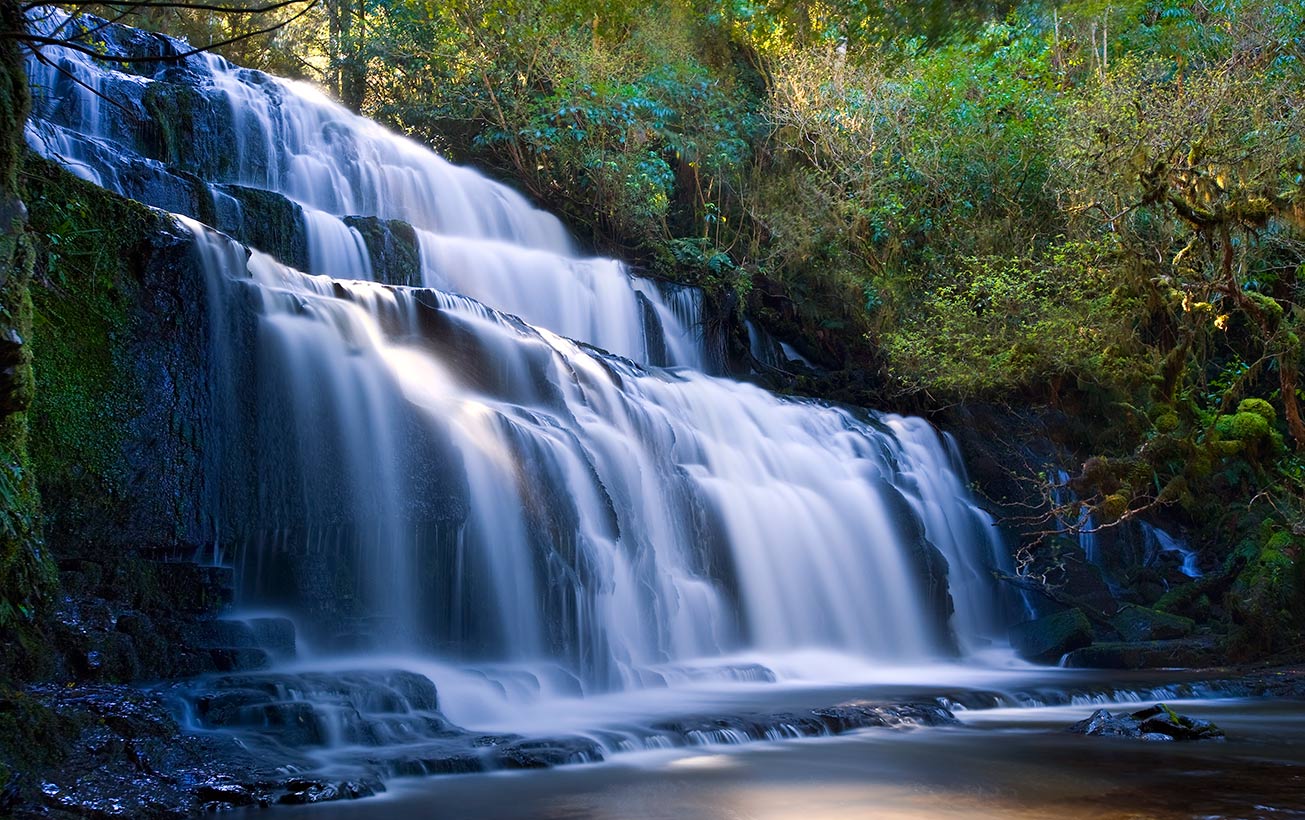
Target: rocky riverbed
[(121, 751)]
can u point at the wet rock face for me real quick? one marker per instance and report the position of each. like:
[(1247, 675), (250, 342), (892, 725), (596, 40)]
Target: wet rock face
[(1136, 623), (1046, 640), (1170, 654), (122, 754), (1155, 723), (128, 619)]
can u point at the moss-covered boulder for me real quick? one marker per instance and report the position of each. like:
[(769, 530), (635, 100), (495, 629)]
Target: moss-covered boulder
[(1046, 640), (1137, 623), (1154, 723), (1267, 600), (1183, 653), (1245, 427)]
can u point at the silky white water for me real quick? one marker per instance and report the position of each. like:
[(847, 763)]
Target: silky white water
[(520, 465)]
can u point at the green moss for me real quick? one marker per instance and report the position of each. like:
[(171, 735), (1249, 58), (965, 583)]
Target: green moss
[(1267, 305), (26, 571), (1166, 422), (1280, 542), (1259, 407), (271, 223), (1200, 464), (1227, 449), (1174, 490), (32, 736), (392, 248), (82, 301), (1268, 598), (1112, 508), (15, 101), (1243, 426), (173, 108)]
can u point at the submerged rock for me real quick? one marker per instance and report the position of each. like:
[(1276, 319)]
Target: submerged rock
[(1154, 723), (1045, 640)]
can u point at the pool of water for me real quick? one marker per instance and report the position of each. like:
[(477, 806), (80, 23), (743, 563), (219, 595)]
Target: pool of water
[(997, 763)]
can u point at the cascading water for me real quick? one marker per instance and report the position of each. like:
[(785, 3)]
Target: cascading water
[(1157, 541), (491, 464), (1133, 543)]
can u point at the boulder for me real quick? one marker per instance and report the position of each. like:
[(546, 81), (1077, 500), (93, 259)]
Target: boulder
[(1174, 654), (1160, 719), (1047, 639), (1137, 623), (1154, 723)]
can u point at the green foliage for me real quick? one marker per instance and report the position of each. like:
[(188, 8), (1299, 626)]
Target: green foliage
[(1268, 597), (1259, 407), (1002, 324), (1244, 427)]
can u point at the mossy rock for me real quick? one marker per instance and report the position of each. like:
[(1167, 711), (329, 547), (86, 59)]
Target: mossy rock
[(268, 222), (1267, 601), (1183, 653), (1112, 508), (392, 247), (26, 570), (32, 736), (120, 345), (1136, 623), (1045, 640)]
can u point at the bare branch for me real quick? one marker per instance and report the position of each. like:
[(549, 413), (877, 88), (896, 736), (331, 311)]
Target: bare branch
[(32, 41), (179, 4)]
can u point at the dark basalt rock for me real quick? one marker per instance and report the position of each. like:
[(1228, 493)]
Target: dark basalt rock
[(275, 635), (392, 247), (121, 753), (217, 795), (1174, 654), (1136, 623), (1045, 640), (1155, 723), (1160, 719), (264, 220), (829, 720), (548, 752), (301, 792)]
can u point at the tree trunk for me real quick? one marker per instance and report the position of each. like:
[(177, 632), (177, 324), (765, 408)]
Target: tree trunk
[(1287, 375), (348, 76)]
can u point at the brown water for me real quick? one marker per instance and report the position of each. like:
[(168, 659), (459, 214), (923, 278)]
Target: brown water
[(1008, 763)]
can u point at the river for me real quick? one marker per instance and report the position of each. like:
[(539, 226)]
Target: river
[(1006, 762)]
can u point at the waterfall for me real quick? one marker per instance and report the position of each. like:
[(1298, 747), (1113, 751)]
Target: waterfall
[(517, 454), (1159, 541)]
